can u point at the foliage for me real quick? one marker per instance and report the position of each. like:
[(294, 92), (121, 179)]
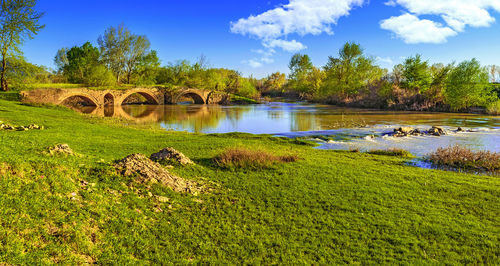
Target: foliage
[(351, 72), (21, 73), (416, 75), (275, 82), (82, 65), (19, 21), (124, 52), (493, 108), (467, 85)]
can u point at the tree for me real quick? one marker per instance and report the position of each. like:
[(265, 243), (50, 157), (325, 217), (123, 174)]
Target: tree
[(19, 21), (147, 69), (416, 74), (275, 82), (351, 72), (468, 85), (61, 59), (300, 68), (79, 62), (122, 51), (439, 74)]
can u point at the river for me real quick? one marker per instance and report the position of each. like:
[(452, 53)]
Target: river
[(332, 127)]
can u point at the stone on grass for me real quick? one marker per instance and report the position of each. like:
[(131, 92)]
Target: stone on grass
[(171, 154), (61, 149), (146, 171)]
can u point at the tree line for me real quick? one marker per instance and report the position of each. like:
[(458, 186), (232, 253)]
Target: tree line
[(352, 78), (126, 58)]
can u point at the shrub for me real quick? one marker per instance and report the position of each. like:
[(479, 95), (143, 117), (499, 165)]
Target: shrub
[(100, 76), (464, 158), (245, 158), (392, 152), (494, 108)]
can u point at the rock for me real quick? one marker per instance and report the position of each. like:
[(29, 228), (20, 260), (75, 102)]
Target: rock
[(406, 131), (171, 154), (146, 171), (436, 131), (63, 149)]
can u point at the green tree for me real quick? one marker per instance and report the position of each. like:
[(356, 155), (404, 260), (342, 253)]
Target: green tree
[(275, 82), (468, 85), (352, 71), (19, 21), (123, 51), (301, 68), (21, 73), (147, 69), (416, 74), (79, 62), (439, 74)]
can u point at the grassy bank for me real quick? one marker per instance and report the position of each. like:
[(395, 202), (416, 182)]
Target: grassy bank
[(329, 207)]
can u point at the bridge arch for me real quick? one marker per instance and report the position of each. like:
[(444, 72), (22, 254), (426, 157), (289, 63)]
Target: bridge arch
[(151, 98), (89, 100), (197, 97), (109, 99)]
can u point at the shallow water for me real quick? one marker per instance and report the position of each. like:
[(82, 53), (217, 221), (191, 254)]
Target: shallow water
[(347, 128)]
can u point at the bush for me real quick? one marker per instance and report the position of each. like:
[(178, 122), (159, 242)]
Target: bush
[(464, 158), (494, 108), (392, 152), (100, 76), (245, 158)]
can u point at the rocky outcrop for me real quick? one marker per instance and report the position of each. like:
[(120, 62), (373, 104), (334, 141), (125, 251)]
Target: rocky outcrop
[(146, 171), (171, 154)]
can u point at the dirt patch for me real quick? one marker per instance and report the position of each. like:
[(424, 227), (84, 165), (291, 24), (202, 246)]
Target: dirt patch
[(146, 171), (171, 154), (61, 149)]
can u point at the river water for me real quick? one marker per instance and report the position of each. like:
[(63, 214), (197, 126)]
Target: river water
[(332, 127)]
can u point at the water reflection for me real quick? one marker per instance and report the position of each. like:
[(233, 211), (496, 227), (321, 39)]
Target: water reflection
[(277, 118)]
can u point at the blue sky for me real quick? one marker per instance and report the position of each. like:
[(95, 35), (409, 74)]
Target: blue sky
[(222, 30)]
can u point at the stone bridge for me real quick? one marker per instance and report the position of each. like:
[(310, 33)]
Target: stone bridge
[(101, 98)]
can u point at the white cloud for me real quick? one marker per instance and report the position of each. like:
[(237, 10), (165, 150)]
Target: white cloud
[(457, 14), (252, 63), (300, 17), (386, 60), (289, 46), (414, 30)]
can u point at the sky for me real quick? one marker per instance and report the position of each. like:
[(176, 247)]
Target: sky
[(258, 37)]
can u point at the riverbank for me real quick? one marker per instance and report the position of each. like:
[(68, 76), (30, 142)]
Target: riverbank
[(329, 207)]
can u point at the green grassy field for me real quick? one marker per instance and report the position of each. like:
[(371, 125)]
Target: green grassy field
[(330, 207)]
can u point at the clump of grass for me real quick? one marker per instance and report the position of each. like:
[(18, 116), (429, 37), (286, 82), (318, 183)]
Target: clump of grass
[(392, 152), (494, 108), (245, 158), (464, 158)]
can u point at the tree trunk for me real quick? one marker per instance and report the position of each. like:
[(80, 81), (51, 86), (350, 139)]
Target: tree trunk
[(3, 81)]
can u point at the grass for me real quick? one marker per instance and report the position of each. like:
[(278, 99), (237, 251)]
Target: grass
[(246, 158), (464, 158), (330, 207), (393, 152)]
